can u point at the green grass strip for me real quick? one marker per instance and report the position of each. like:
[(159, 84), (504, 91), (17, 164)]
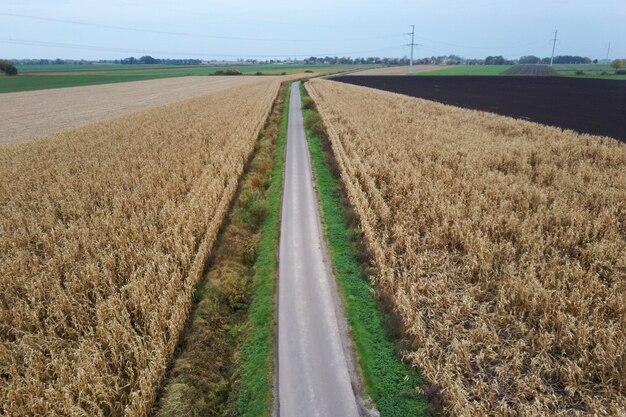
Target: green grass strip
[(255, 398), (390, 382)]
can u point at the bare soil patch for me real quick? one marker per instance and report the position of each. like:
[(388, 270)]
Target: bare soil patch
[(531, 70)]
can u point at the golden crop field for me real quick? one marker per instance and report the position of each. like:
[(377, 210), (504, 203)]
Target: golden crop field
[(501, 245), (104, 231)]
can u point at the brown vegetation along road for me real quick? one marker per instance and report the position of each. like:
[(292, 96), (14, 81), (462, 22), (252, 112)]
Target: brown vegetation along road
[(500, 244), (36, 113), (104, 232)]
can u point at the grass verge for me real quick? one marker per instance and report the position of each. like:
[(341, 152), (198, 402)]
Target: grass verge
[(392, 384), (225, 353), (254, 395)]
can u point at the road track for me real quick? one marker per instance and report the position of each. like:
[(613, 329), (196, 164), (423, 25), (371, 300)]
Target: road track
[(314, 365)]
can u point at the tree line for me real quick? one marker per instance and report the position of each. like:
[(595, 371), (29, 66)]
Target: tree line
[(451, 60), (329, 60), (152, 61)]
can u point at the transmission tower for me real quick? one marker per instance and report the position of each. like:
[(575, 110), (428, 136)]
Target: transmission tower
[(553, 46), (412, 44)]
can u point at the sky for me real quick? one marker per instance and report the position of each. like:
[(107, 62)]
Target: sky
[(210, 29)]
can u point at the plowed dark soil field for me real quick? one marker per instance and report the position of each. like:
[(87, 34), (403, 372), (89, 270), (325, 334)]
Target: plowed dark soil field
[(591, 106), (534, 70)]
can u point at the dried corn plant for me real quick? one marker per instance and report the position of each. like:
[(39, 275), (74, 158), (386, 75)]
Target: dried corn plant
[(501, 243), (104, 231)]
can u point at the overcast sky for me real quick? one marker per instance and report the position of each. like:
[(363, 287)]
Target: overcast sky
[(281, 28)]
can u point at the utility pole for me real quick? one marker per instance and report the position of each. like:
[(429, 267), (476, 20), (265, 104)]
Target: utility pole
[(412, 44), (553, 46), (608, 51)]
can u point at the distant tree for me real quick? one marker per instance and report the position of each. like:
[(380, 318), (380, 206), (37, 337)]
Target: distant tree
[(569, 59), (617, 64), (148, 60), (495, 60), (529, 59), (7, 67), (453, 60)]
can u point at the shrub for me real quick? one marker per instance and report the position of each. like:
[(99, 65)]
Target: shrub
[(259, 73), (308, 103), (580, 72), (7, 67), (253, 209), (232, 71), (283, 73), (309, 71), (314, 123), (220, 72)]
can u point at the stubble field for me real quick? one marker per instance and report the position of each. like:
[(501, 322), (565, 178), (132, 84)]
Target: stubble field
[(104, 231), (499, 243), (398, 70), (30, 114)]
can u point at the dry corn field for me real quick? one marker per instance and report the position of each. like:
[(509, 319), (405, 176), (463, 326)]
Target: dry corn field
[(501, 244), (104, 231)]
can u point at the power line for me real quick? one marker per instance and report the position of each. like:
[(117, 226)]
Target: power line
[(194, 35), (28, 42), (480, 47)]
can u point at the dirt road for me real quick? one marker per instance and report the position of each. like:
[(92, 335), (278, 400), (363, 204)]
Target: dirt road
[(314, 367)]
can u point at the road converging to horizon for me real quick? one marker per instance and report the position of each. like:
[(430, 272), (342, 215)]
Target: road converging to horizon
[(313, 365)]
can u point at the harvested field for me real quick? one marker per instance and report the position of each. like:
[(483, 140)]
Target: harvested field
[(584, 105), (104, 232), (531, 70), (499, 243), (399, 70), (36, 113)]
